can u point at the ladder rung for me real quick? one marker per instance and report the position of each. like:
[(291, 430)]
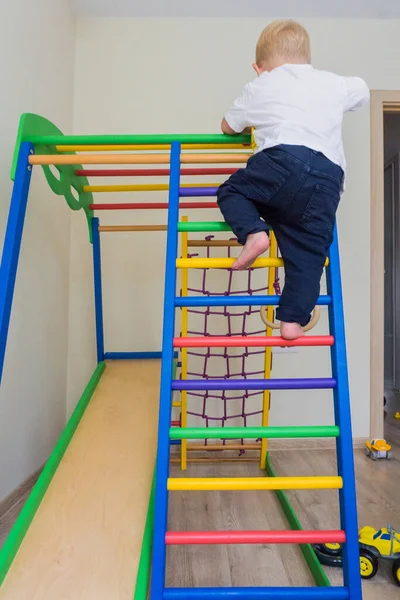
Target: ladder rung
[(254, 483), (257, 593), (254, 537), (203, 226), (225, 263), (201, 433), (197, 191), (251, 341), (237, 300), (318, 383)]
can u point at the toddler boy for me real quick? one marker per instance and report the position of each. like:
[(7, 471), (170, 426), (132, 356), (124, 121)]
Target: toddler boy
[(294, 181)]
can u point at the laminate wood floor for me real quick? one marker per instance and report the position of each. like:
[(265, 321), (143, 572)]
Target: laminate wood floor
[(378, 487)]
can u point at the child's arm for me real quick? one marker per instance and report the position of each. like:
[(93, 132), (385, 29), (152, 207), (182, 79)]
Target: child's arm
[(226, 128), (356, 93), (236, 120)]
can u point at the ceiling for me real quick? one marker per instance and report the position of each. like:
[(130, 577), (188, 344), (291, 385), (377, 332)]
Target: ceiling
[(238, 8)]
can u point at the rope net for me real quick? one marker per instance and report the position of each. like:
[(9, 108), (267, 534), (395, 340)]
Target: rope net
[(230, 407)]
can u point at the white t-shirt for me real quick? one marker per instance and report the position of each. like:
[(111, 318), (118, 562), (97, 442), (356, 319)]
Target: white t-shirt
[(298, 105)]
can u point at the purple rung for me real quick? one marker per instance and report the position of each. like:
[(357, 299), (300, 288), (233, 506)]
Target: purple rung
[(197, 191), (319, 383)]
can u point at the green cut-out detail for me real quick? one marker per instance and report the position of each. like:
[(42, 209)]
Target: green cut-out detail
[(31, 126)]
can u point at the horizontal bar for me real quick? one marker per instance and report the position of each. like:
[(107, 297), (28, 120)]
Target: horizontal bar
[(223, 263), (134, 159), (219, 459), (128, 147), (251, 341), (257, 593), (154, 172), (153, 187), (213, 243), (150, 205), (237, 300), (254, 384), (184, 538), (164, 138), (175, 442), (199, 433), (204, 226), (120, 228), (198, 191), (131, 355), (175, 424), (221, 447), (253, 483)]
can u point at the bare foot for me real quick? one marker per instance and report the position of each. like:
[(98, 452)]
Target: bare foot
[(256, 244), (291, 331)]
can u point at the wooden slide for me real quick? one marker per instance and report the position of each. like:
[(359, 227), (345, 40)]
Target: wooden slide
[(85, 540)]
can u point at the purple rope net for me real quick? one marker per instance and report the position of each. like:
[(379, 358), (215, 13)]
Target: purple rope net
[(217, 408)]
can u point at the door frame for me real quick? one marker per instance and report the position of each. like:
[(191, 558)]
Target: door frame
[(382, 101)]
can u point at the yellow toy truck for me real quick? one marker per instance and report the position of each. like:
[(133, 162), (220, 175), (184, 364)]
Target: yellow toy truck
[(375, 544), (378, 449)]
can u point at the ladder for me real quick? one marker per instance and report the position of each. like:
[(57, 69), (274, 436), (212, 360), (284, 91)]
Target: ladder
[(344, 482)]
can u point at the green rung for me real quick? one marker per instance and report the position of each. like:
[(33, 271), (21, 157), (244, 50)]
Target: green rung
[(204, 226), (183, 138), (199, 433)]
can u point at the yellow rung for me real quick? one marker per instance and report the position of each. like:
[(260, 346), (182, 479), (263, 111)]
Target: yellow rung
[(145, 187), (128, 147), (176, 404), (226, 263), (223, 263), (254, 483), (135, 159)]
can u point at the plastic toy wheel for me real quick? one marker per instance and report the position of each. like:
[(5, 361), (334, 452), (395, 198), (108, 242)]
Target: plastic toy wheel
[(328, 560), (396, 571), (368, 564), (367, 451), (374, 455), (332, 549), (389, 455)]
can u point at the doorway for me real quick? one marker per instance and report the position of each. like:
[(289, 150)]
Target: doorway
[(385, 264), (391, 128)]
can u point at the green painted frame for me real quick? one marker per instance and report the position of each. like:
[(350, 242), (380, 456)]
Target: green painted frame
[(66, 183)]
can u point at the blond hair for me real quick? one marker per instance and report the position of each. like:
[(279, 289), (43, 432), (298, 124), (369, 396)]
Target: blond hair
[(286, 40)]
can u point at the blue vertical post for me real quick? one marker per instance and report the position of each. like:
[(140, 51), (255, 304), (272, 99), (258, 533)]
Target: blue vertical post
[(12, 243), (162, 465), (98, 295), (344, 443)]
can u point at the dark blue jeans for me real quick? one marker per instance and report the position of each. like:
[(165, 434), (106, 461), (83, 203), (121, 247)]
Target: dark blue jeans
[(296, 191)]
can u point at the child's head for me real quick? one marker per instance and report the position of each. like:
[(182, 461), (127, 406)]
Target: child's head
[(281, 42)]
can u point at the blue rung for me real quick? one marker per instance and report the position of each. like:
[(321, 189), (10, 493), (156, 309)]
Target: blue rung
[(261, 593), (237, 300)]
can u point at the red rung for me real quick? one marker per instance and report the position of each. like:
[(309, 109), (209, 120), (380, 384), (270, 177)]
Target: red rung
[(254, 537), (150, 205), (251, 341), (175, 423), (151, 172)]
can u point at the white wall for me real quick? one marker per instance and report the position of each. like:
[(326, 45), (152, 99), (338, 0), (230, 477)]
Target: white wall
[(36, 74), (157, 76)]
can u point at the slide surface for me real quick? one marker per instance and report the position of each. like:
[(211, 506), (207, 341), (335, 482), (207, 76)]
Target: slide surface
[(85, 540)]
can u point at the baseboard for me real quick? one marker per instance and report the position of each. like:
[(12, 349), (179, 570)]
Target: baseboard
[(281, 445), (19, 492)]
